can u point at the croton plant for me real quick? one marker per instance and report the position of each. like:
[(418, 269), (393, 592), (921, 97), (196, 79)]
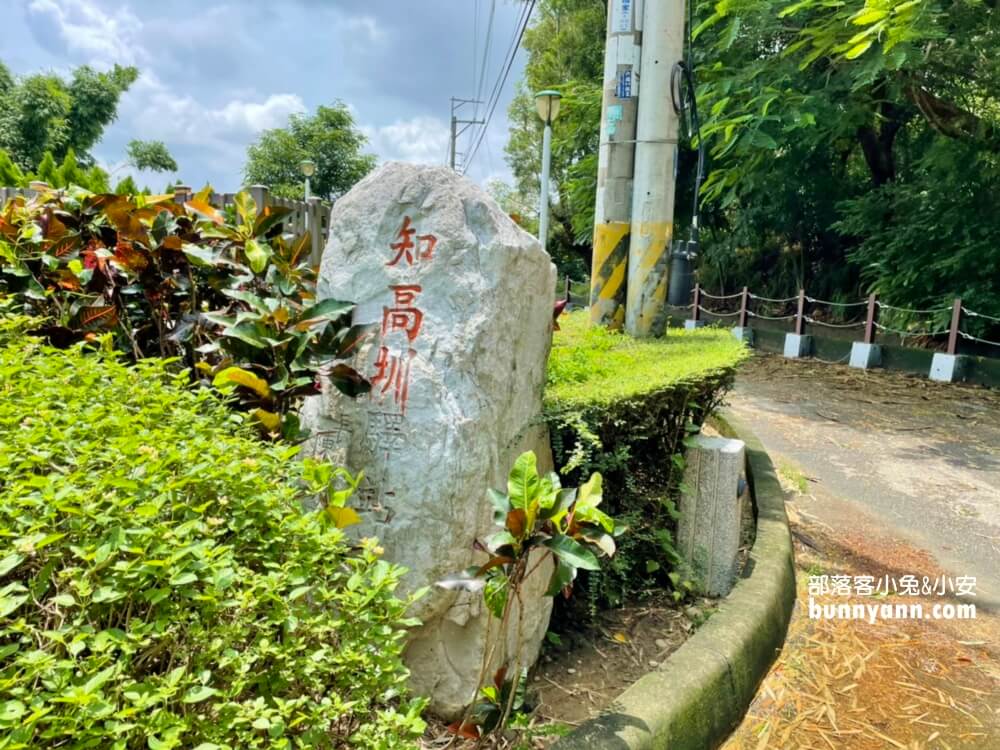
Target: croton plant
[(226, 293)]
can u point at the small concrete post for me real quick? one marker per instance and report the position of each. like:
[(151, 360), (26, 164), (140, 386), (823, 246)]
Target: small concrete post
[(708, 532), (695, 320), (743, 332), (798, 344), (866, 353), (947, 367)]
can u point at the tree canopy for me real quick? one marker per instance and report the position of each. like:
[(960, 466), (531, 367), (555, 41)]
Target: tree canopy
[(329, 138), (45, 112), (150, 155)]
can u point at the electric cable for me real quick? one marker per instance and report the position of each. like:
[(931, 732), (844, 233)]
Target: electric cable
[(501, 80)]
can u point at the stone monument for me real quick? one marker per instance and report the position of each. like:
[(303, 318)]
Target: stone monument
[(462, 300)]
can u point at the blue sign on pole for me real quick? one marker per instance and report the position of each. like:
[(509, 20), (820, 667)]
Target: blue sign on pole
[(624, 88)]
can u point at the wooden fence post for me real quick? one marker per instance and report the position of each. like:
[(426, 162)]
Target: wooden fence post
[(744, 305), (696, 308), (800, 313), (261, 196), (870, 320), (956, 319)]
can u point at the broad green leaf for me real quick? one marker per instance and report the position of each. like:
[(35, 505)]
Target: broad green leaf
[(199, 255), (563, 574), (247, 333), (572, 552), (258, 253), (523, 484), (10, 562), (198, 694), (250, 298), (10, 603), (328, 309), (246, 207)]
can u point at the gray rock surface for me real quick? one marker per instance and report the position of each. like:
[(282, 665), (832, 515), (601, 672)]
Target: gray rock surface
[(463, 301)]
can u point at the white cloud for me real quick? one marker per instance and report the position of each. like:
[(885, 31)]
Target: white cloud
[(157, 111), (89, 33), (421, 140), (366, 25)]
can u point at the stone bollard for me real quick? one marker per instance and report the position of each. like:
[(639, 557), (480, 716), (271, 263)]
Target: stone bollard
[(460, 299), (744, 334), (797, 345), (947, 368), (865, 356), (708, 532)]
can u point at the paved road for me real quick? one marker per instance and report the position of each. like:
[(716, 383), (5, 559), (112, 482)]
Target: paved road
[(885, 476), (887, 452)]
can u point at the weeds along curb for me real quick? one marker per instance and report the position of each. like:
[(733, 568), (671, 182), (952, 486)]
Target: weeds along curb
[(701, 692)]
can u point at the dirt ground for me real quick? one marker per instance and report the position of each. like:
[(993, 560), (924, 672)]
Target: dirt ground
[(886, 476)]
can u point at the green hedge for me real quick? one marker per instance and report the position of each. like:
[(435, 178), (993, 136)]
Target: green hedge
[(623, 406), (161, 585)]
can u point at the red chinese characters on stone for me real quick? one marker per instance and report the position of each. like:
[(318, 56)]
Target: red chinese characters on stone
[(408, 250), (402, 316), (392, 376)]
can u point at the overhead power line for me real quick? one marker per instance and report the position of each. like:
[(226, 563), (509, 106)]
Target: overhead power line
[(487, 48), (501, 80)]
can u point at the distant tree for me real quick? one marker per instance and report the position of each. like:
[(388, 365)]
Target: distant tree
[(150, 155), (126, 186), (330, 138), (45, 112)]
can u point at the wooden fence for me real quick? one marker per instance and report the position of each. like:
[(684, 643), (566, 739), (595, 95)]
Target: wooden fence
[(312, 215)]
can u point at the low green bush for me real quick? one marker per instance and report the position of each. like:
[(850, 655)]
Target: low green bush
[(623, 406), (162, 585)]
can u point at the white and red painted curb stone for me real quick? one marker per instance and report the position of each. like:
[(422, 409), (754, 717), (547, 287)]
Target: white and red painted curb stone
[(463, 300)]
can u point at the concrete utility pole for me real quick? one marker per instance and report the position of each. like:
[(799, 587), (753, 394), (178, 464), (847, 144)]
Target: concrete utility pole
[(613, 208), (456, 104), (655, 167)]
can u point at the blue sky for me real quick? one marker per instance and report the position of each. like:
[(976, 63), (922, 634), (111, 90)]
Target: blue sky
[(214, 74)]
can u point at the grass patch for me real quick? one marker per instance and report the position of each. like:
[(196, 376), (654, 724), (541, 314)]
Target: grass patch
[(591, 365), (623, 406), (794, 478)]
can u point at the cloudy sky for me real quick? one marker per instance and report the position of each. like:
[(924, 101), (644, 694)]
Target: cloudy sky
[(214, 74)]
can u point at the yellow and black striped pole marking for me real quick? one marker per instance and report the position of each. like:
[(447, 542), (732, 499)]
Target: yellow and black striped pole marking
[(608, 274), (648, 267)]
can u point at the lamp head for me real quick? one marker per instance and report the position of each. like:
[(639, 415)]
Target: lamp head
[(308, 167), (547, 104)]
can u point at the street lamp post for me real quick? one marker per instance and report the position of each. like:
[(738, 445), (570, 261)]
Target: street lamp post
[(547, 103), (308, 169)]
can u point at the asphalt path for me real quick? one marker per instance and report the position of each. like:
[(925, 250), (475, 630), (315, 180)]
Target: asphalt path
[(893, 454)]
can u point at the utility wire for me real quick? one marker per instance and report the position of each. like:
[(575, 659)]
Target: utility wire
[(501, 79), (487, 48)]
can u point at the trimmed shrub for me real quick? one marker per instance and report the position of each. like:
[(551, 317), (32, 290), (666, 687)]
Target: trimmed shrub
[(623, 406), (162, 586)]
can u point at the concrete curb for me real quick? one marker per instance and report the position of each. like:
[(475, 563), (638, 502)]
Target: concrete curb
[(700, 694)]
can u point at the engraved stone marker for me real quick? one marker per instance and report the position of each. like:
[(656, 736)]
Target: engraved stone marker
[(462, 299)]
